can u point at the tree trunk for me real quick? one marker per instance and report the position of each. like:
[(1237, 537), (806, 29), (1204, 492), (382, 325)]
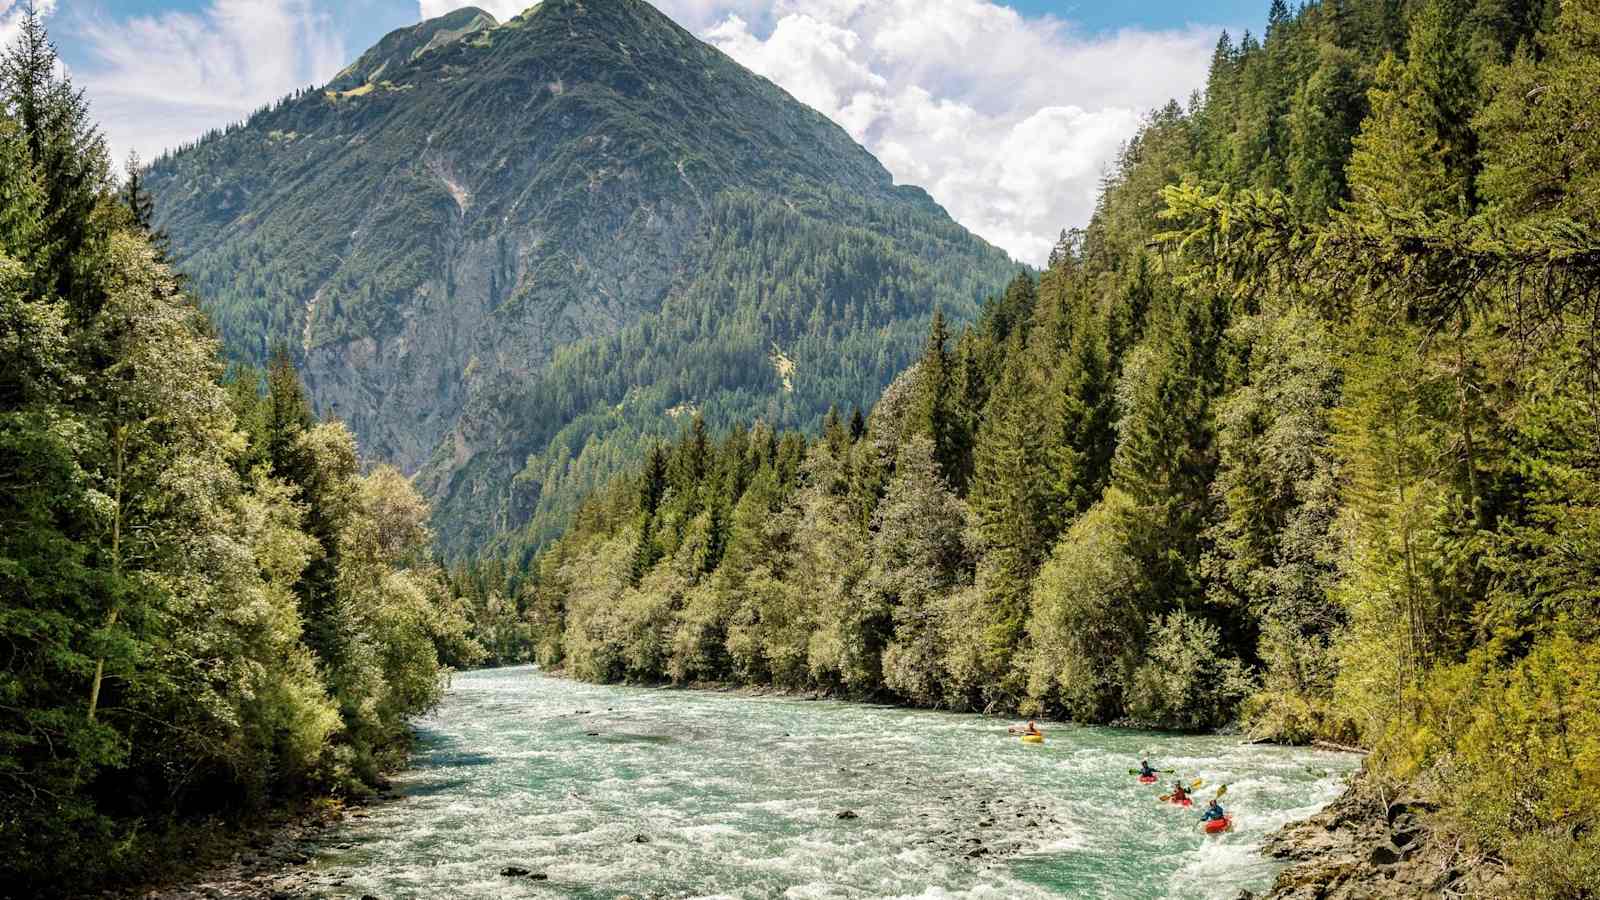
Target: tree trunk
[(119, 441)]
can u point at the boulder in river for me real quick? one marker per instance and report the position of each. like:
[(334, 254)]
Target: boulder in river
[(515, 872), (641, 839), (848, 814)]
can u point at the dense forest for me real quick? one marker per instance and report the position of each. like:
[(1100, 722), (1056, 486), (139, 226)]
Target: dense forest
[(211, 605), (792, 309), (512, 256), (1301, 432)]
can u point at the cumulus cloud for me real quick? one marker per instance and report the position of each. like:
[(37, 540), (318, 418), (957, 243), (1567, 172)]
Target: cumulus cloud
[(160, 80), (11, 17), (1009, 122)]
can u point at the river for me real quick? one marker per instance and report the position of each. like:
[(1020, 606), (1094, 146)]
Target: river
[(611, 791)]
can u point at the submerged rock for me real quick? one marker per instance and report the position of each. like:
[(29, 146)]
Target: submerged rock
[(848, 814), (515, 872)]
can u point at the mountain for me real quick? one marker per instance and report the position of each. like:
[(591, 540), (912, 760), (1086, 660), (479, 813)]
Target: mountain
[(510, 254)]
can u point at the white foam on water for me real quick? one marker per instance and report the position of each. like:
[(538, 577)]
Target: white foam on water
[(739, 797)]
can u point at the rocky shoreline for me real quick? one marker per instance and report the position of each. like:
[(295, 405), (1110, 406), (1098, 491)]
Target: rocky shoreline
[(271, 861), (1373, 845)]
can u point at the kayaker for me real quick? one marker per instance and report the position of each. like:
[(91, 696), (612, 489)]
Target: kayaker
[(1213, 812), (1144, 769), (1178, 793), (1029, 728)]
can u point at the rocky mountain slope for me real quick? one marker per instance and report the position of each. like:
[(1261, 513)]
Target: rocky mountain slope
[(482, 238)]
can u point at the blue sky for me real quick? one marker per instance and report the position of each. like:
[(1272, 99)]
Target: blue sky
[(364, 21), (1007, 111)]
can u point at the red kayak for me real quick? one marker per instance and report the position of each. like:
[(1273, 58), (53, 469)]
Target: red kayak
[(1184, 802), (1147, 779), (1218, 826)]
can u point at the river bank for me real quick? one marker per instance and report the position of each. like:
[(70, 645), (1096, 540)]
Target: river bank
[(1371, 844), (267, 858)]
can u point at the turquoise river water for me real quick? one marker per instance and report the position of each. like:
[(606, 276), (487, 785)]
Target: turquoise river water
[(739, 796)]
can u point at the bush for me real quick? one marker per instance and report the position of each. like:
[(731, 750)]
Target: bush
[(1086, 627), (1519, 747), (1185, 681), (1295, 702)]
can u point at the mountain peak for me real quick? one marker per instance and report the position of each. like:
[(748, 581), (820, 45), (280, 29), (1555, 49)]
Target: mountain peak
[(403, 45), (473, 208)]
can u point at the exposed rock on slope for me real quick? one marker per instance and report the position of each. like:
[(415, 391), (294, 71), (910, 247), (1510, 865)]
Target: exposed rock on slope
[(467, 199), (1369, 846)]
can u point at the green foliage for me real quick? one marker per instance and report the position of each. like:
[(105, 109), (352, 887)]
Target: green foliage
[(1185, 679), (1462, 309), (847, 304), (1326, 464), (622, 226), (208, 609), (1088, 624), (1274, 546)]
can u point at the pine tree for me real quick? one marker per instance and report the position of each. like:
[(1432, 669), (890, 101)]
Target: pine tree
[(933, 408), (288, 413), (1324, 117), (67, 152), (1416, 150), (1166, 455), (1009, 503)]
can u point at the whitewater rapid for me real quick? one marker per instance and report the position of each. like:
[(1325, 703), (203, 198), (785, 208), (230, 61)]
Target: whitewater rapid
[(615, 791)]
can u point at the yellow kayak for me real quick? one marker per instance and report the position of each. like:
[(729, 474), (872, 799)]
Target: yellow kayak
[(1033, 739)]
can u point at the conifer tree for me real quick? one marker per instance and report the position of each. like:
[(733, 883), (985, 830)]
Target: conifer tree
[(934, 410), (1166, 454), (1009, 502), (67, 152), (1416, 151)]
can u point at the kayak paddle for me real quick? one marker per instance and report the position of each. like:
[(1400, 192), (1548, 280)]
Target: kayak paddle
[(1137, 772), (1198, 783)]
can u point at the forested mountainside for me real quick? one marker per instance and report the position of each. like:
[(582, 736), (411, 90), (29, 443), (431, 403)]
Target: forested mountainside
[(210, 604), (509, 255), (1301, 432)]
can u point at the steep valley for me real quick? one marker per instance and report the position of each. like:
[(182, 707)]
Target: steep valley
[(473, 232)]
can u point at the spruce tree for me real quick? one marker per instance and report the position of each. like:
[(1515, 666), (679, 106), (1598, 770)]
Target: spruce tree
[(933, 409), (68, 156)]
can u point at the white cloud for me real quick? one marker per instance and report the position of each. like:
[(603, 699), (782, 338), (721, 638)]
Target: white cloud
[(158, 81), (1008, 121), (11, 17)]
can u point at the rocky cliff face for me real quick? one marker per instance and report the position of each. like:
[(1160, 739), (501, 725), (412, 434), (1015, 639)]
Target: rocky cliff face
[(470, 197), (1374, 845)]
